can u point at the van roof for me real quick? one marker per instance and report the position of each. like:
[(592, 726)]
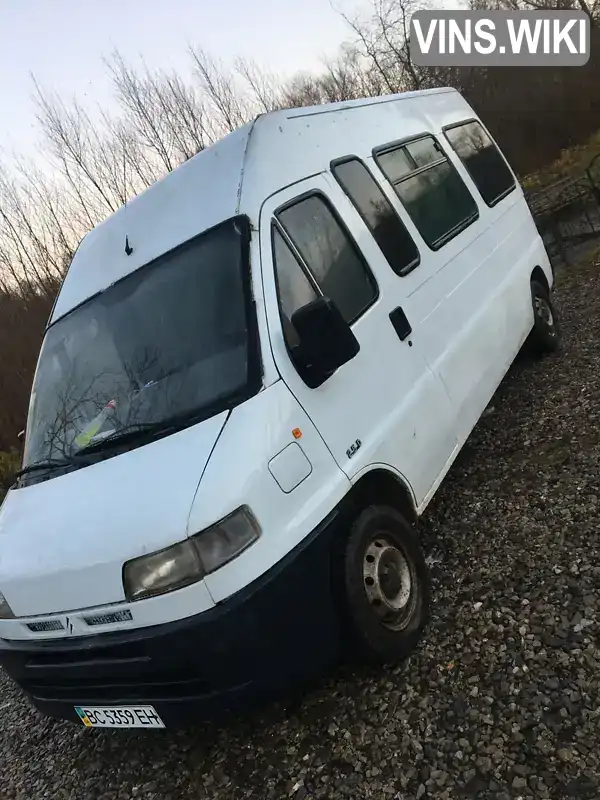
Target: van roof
[(235, 175)]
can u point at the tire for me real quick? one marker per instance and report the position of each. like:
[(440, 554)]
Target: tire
[(545, 334), (383, 559)]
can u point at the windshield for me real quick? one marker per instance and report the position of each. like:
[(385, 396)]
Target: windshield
[(171, 339)]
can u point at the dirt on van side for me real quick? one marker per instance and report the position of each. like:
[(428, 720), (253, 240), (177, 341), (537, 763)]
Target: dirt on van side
[(501, 700)]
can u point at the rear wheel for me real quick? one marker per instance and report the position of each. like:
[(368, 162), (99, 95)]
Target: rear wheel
[(545, 335), (386, 585)]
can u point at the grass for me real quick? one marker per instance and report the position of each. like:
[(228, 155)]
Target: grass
[(570, 163), (9, 464)]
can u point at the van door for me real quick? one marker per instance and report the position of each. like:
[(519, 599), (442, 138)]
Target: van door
[(385, 406)]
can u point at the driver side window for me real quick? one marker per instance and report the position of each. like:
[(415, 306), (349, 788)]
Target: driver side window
[(334, 264), (294, 288)]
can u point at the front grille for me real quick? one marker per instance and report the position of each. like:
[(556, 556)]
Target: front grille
[(124, 671), (159, 688), (63, 654), (109, 619), (45, 626)]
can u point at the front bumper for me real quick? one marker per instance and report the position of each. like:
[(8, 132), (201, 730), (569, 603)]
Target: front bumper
[(279, 631)]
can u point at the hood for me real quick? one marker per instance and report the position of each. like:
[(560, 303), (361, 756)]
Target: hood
[(63, 542)]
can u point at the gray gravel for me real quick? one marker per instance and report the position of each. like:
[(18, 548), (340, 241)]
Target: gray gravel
[(502, 700)]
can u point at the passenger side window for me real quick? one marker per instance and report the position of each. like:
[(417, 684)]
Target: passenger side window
[(482, 160), (293, 287), (330, 255), (430, 188), (388, 230)]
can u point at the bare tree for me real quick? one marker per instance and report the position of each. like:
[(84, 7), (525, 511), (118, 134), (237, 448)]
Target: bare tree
[(592, 9), (165, 115), (265, 88), (230, 108), (382, 39), (35, 235), (381, 36)]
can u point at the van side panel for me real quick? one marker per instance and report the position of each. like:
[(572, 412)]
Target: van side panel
[(470, 300), (485, 313)]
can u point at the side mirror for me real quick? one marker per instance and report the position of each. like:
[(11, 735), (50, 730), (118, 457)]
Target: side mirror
[(326, 339), (21, 434)]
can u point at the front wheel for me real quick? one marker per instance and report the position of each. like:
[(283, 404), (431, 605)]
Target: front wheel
[(386, 585), (545, 334)]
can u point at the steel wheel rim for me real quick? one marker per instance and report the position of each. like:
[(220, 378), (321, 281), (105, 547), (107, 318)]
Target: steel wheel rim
[(389, 582), (544, 313)]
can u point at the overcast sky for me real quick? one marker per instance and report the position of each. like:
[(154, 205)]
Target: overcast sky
[(62, 43)]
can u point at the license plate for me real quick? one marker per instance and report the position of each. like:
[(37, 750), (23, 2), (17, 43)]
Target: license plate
[(119, 717)]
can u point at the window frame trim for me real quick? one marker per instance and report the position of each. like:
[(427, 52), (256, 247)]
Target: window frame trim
[(381, 149), (345, 160), (346, 231), (515, 183), (399, 143), (276, 226)]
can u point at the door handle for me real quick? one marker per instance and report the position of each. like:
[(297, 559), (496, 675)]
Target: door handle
[(400, 322)]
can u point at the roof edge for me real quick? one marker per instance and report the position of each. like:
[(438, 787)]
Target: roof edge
[(244, 158), (327, 108)]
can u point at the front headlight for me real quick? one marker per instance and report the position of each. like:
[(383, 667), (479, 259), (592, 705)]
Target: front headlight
[(187, 562), (5, 609)]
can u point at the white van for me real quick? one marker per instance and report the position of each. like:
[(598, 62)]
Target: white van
[(255, 377)]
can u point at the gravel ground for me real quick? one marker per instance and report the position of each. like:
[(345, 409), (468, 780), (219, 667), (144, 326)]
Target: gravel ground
[(502, 698)]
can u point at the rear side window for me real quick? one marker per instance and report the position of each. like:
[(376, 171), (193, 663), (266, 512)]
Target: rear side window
[(482, 160), (430, 188), (388, 230), (330, 255)]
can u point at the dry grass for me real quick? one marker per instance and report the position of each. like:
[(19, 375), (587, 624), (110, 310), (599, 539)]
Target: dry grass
[(571, 162), (9, 464)]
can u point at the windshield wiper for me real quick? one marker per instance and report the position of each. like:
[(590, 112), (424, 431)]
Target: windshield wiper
[(54, 464), (129, 432), (139, 430)]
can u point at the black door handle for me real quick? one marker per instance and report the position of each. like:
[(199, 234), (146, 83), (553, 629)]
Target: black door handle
[(400, 322)]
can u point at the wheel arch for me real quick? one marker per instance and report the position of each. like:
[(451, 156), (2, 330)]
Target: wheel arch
[(538, 274), (382, 485)]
